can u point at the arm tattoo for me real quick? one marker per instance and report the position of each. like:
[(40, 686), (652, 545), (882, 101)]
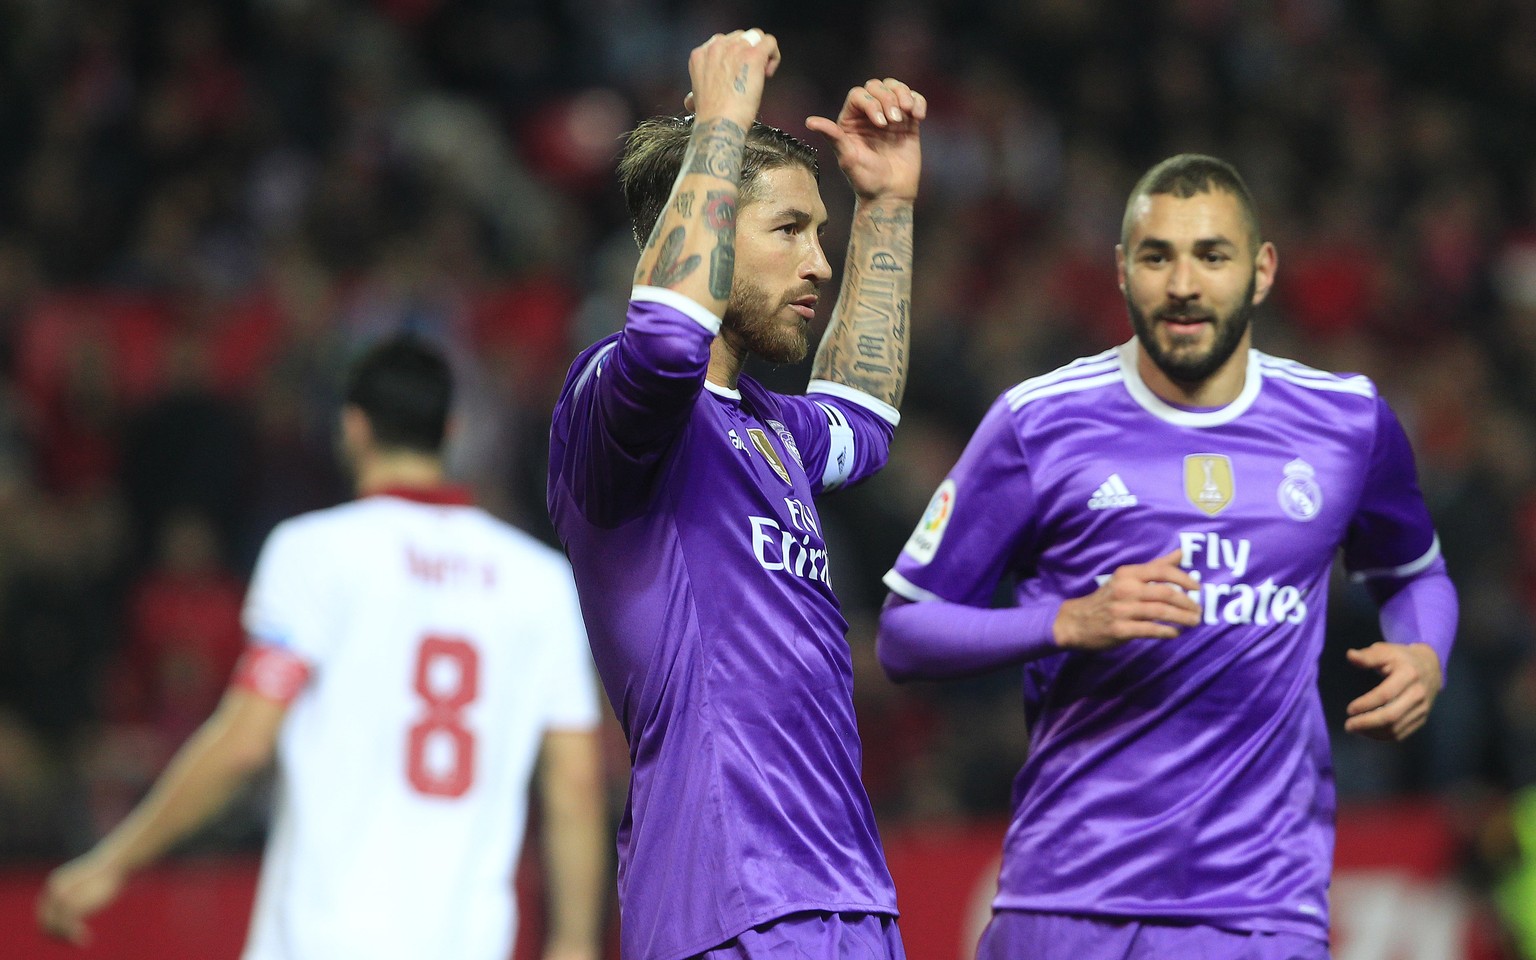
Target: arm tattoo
[(720, 218), (741, 80), (670, 269), (865, 346), (716, 149)]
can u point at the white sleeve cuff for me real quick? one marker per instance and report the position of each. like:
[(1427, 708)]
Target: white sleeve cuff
[(901, 586), (842, 391), (677, 301)]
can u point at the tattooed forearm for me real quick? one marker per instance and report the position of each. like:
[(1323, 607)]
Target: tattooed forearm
[(716, 149), (698, 223), (720, 218), (865, 346), (671, 267)]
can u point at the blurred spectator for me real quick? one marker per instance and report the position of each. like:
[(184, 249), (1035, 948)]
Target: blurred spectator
[(188, 447)]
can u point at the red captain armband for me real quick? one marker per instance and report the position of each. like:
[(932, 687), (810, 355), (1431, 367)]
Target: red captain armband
[(271, 673)]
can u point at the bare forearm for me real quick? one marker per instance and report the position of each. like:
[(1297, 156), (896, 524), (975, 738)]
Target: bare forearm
[(574, 844), (200, 780), (865, 346), (692, 248)]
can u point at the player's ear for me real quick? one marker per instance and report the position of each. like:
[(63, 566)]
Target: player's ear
[(1265, 264), (1120, 265)]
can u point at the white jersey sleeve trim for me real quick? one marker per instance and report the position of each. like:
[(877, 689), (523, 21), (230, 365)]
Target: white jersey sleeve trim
[(900, 585), (682, 304), (1292, 371), (1074, 372), (1406, 570), (568, 726), (1018, 399), (842, 391)]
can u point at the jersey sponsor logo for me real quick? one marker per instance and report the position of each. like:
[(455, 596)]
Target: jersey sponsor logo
[(760, 441), (1208, 481), (788, 440), (1236, 601), (1112, 493), (796, 549), (1300, 496), (924, 542)]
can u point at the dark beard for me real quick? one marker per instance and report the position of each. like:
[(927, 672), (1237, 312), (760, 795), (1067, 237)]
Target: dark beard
[(750, 322), (1190, 370)]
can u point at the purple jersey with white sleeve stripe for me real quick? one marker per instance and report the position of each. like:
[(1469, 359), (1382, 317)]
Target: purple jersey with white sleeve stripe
[(688, 514), (1188, 779)]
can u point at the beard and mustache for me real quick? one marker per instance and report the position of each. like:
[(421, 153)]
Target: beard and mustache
[(753, 320), (1181, 360)]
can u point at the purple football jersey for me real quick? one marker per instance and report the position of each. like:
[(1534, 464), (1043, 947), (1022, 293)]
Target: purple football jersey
[(688, 514), (1185, 779)]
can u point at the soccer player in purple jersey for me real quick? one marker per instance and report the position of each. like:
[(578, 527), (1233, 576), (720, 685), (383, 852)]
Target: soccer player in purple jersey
[(1171, 509), (684, 493)]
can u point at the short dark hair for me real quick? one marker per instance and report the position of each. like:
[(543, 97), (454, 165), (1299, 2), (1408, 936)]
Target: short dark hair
[(404, 387), (1187, 174), (653, 154)]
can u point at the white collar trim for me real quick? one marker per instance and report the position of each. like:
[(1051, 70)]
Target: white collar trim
[(720, 391), (1169, 413)]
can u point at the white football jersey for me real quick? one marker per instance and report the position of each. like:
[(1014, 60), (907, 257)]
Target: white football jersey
[(440, 645)]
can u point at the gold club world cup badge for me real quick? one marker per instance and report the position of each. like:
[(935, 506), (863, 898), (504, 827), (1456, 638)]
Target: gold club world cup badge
[(760, 441), (1208, 481)]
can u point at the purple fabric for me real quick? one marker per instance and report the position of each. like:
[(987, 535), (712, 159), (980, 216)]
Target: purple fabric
[(942, 640), (1184, 780), (1020, 935), (1421, 609), (816, 936), (707, 594)]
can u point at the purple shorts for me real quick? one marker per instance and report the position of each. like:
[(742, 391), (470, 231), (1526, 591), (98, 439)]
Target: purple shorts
[(816, 936), (1022, 935)]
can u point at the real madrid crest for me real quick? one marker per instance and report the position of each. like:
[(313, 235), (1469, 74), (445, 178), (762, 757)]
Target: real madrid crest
[(1208, 481), (1300, 496), (760, 443), (788, 439)]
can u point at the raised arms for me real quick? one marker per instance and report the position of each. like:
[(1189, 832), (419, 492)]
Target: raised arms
[(692, 248), (876, 138)]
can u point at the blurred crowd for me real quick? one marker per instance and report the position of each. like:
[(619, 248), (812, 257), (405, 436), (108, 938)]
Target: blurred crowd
[(206, 207)]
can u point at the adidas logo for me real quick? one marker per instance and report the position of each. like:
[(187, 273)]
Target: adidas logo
[(1112, 493)]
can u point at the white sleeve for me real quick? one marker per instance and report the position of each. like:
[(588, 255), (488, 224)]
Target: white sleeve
[(285, 605), (571, 703)]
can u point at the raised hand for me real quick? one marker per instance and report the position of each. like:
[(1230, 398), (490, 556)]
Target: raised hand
[(875, 136), (1400, 703), (1138, 600), (728, 71)]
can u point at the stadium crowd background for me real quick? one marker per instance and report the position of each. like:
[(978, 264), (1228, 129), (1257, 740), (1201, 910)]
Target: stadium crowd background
[(206, 207)]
